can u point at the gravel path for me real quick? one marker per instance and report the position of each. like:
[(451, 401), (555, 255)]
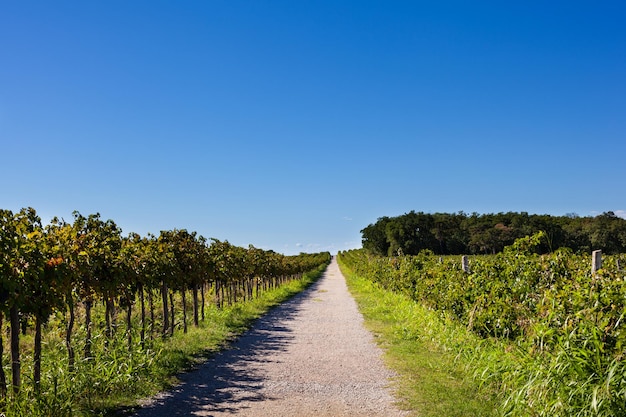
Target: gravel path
[(310, 356)]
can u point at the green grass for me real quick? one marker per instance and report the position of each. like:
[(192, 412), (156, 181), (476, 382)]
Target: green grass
[(547, 336), (426, 352), (222, 326), (117, 378)]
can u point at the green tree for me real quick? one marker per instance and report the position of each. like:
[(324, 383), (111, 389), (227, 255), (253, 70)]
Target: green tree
[(375, 237)]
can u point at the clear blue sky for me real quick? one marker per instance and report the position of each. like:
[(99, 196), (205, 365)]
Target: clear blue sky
[(291, 125)]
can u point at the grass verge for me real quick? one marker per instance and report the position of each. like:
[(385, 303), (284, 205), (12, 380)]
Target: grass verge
[(185, 351), (118, 376), (426, 352)]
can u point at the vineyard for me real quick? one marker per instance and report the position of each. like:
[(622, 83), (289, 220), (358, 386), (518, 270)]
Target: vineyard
[(88, 311), (551, 330)]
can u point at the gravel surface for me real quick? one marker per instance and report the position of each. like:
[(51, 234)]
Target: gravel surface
[(310, 356)]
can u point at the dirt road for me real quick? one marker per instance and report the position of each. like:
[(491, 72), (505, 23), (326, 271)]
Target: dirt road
[(308, 357)]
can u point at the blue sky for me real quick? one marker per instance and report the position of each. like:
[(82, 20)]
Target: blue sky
[(291, 125)]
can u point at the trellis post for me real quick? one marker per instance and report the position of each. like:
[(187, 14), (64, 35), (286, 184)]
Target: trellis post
[(465, 263), (596, 261)]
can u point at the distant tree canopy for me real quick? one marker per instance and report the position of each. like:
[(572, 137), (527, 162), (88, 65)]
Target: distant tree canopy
[(461, 233)]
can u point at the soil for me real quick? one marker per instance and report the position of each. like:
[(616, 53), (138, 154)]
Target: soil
[(310, 356)]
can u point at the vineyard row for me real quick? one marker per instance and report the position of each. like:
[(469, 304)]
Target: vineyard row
[(561, 321), (67, 268)]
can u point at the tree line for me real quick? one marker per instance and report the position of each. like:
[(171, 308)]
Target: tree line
[(462, 233), (68, 267)]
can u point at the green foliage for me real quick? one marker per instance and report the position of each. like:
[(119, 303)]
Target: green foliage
[(416, 342), (88, 269), (461, 233), (563, 324)]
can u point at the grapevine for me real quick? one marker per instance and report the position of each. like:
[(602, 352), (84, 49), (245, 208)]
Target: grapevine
[(564, 322)]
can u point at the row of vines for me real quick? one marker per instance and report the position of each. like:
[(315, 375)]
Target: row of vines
[(88, 284), (560, 322)]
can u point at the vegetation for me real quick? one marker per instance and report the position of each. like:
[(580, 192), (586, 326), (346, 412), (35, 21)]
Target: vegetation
[(460, 233), (92, 314), (556, 327), (430, 381)]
